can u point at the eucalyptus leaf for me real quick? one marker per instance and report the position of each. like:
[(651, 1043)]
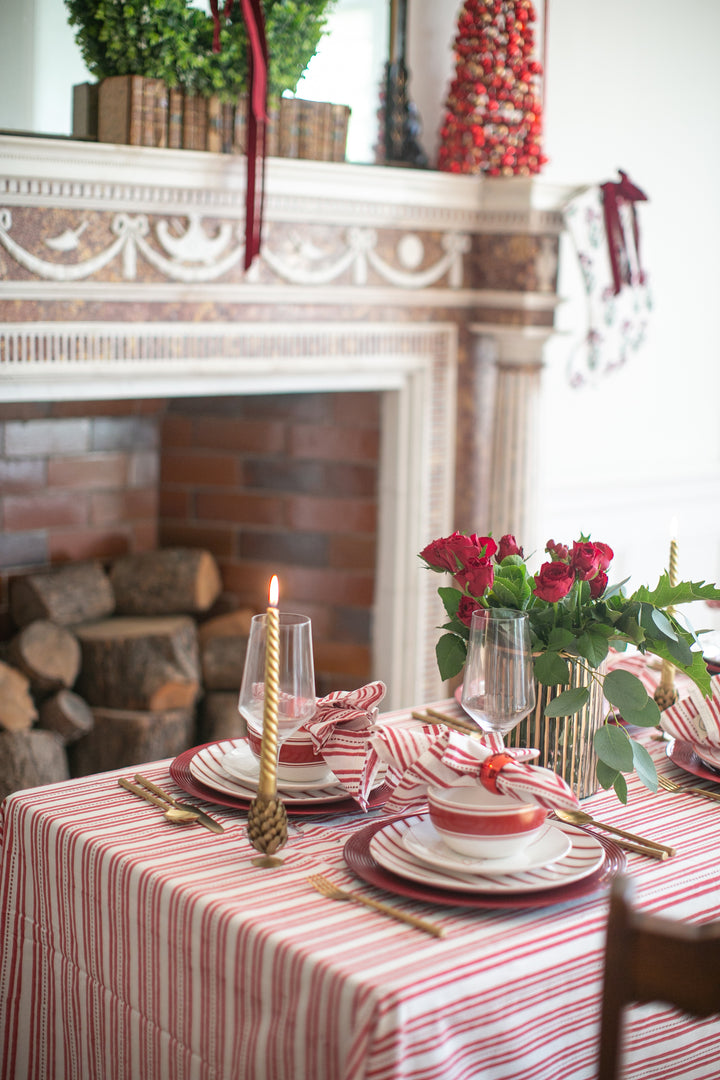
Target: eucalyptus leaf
[(606, 775), (625, 691), (568, 702), (644, 765), (621, 789), (648, 716), (612, 746)]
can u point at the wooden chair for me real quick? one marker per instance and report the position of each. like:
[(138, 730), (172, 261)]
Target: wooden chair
[(653, 959)]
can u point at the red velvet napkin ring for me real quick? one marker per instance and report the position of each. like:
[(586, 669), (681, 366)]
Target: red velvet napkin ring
[(490, 768)]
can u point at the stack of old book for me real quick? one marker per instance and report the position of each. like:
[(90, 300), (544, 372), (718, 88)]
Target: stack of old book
[(137, 111)]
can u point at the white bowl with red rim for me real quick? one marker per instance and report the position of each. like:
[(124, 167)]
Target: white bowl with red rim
[(473, 821), (298, 760)]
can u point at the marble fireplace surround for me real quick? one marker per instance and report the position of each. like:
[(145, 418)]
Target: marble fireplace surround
[(121, 276)]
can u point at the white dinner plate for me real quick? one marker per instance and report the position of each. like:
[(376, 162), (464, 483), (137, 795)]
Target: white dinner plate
[(586, 855), (426, 844), (241, 764), (206, 767)]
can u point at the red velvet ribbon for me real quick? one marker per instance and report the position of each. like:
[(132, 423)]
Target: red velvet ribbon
[(613, 195), (490, 768), (257, 116)]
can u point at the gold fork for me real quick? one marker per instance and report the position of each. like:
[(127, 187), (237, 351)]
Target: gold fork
[(333, 892), (676, 789)]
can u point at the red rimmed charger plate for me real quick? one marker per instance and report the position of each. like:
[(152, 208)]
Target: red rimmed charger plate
[(360, 860), (682, 754), (180, 772)]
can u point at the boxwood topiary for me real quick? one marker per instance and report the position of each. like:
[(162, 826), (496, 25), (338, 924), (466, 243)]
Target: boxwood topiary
[(171, 40)]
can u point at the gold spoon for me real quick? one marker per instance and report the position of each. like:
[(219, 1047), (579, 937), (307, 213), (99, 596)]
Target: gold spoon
[(579, 817), (171, 813)]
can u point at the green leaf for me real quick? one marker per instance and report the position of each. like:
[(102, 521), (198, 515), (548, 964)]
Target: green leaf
[(613, 747), (450, 598), (625, 691), (612, 778), (551, 669), (606, 776), (649, 716), (593, 647), (560, 638), (666, 595), (450, 652), (621, 790), (506, 595), (644, 766), (568, 702)]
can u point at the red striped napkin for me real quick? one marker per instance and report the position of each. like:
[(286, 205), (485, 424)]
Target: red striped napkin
[(695, 718), (341, 730), (424, 758)]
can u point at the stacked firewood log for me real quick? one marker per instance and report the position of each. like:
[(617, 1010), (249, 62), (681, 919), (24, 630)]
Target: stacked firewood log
[(117, 666)]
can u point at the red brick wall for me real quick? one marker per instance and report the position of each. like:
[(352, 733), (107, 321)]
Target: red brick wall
[(283, 484), (276, 484)]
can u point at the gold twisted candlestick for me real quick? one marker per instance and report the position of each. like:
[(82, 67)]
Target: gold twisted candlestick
[(267, 785), (267, 817), (666, 694)]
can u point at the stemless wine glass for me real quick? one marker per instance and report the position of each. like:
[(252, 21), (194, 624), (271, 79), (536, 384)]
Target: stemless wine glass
[(296, 686), (499, 683)]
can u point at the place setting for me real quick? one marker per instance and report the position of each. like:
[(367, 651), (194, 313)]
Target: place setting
[(474, 823), (313, 754)]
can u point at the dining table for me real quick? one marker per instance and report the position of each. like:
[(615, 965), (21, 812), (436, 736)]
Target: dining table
[(135, 948)]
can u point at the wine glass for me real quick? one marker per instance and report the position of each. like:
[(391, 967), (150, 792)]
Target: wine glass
[(296, 683), (499, 683)]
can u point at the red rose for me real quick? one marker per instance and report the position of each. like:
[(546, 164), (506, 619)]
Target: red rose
[(554, 581), (477, 575), (508, 546), (449, 552), (465, 609), (485, 544), (598, 584), (606, 555), (585, 560), (557, 551)]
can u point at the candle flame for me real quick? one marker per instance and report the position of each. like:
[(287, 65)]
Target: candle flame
[(274, 591)]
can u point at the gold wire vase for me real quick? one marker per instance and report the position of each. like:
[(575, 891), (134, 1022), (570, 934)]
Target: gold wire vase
[(566, 742)]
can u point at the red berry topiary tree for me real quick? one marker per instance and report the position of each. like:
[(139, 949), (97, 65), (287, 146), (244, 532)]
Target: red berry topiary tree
[(493, 121)]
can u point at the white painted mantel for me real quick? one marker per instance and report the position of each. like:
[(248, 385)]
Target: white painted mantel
[(347, 238)]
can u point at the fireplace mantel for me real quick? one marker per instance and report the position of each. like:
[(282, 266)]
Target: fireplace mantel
[(121, 275)]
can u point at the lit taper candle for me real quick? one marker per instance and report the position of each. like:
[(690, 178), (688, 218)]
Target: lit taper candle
[(267, 785)]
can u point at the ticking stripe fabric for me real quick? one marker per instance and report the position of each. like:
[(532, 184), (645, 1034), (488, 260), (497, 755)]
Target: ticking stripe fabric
[(132, 949), (695, 718)]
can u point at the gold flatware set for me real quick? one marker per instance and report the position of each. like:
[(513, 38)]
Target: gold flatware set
[(178, 813), (326, 888), (676, 789), (630, 841)]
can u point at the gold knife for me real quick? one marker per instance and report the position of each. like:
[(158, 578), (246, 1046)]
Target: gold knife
[(203, 818)]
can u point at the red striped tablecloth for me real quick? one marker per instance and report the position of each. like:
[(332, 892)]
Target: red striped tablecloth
[(133, 949)]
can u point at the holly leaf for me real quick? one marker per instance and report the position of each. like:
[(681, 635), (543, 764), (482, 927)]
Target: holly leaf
[(450, 653), (666, 595), (568, 702)]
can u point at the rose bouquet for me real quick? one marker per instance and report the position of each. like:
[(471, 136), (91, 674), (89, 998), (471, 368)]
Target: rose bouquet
[(575, 618)]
